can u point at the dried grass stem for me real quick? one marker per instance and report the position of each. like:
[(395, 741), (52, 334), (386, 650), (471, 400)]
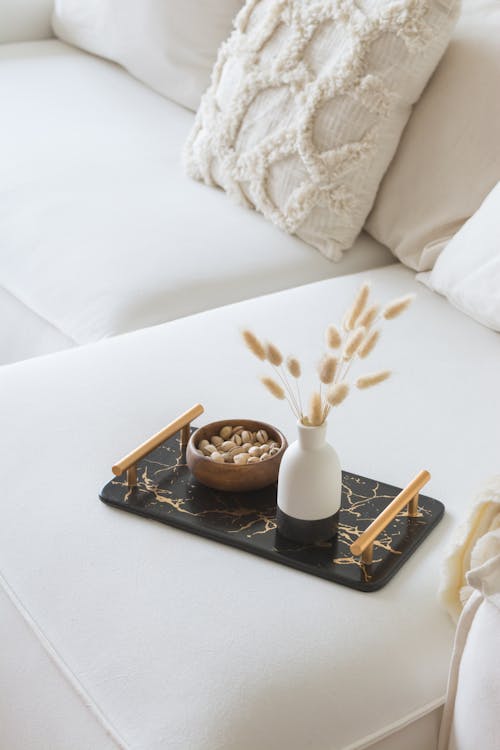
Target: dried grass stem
[(358, 306), (366, 381), (254, 344)]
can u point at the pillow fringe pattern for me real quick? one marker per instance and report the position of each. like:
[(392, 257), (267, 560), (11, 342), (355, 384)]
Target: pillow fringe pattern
[(214, 156)]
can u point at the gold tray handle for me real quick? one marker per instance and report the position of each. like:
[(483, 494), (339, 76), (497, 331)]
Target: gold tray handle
[(409, 496), (129, 462)]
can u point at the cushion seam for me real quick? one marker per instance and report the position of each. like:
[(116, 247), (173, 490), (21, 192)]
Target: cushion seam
[(396, 726), (63, 668), (21, 301)]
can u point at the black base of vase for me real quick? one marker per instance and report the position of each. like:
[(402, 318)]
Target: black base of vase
[(306, 532)]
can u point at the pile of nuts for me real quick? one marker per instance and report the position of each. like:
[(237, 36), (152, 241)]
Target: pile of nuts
[(237, 445)]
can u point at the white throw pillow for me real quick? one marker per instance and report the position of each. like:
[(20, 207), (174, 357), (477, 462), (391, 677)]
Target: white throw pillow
[(170, 45), (468, 270), (449, 156), (307, 104)]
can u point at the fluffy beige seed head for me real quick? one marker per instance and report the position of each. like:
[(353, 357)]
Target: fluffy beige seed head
[(369, 316), (353, 343), (337, 393), (274, 355), (254, 344), (369, 343), (358, 306), (293, 366), (273, 387), (366, 381), (316, 410), (397, 306), (333, 337), (327, 369)]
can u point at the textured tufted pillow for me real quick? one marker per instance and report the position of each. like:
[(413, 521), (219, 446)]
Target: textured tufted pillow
[(307, 104)]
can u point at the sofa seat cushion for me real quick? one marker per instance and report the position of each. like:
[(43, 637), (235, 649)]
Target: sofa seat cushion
[(176, 641), (100, 230)]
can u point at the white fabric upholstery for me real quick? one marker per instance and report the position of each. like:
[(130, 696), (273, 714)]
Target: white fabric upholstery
[(470, 718), (468, 270), (171, 46), (307, 105), (448, 159), (59, 716), (25, 20), (183, 643), (25, 334), (100, 230)]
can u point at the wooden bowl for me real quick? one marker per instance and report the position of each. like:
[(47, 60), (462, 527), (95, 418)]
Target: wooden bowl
[(234, 477)]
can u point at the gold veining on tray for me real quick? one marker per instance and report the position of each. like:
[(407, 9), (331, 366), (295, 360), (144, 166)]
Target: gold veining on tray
[(164, 481)]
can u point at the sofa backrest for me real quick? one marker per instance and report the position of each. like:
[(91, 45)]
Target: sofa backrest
[(25, 20)]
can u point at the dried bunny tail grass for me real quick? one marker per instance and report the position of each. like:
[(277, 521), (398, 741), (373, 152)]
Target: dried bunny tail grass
[(397, 306), (353, 343), (337, 393), (293, 367), (369, 344), (366, 381), (274, 355), (273, 387), (358, 306), (327, 369), (316, 410), (369, 316), (254, 344), (333, 337)]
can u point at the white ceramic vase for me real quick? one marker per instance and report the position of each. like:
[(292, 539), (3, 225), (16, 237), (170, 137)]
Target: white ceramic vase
[(309, 488)]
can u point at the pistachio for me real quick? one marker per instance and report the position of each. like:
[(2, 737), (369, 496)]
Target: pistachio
[(234, 452), (238, 445), (241, 458)]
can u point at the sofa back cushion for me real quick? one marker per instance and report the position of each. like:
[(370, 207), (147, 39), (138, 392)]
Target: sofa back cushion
[(25, 20), (468, 270), (449, 156), (170, 45), (307, 104)]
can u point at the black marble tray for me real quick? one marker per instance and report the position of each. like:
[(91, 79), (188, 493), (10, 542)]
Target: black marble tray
[(166, 491)]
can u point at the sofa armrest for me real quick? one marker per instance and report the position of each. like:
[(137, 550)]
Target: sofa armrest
[(25, 20)]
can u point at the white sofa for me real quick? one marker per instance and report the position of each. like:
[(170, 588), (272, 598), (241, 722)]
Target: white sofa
[(101, 232), (122, 632), (118, 632)]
